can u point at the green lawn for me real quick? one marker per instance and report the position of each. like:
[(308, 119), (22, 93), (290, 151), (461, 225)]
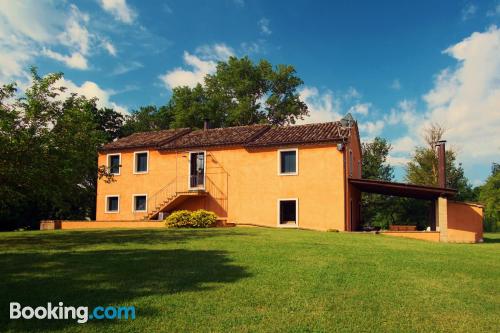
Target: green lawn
[(253, 279)]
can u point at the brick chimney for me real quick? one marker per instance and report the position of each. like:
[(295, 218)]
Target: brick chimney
[(441, 153), (206, 124)]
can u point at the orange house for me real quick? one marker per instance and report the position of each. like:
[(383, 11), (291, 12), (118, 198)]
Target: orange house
[(294, 176), (304, 176)]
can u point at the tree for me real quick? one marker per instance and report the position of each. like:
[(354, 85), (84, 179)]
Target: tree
[(48, 165), (241, 93), (375, 156), (147, 118), (377, 210), (423, 167), (489, 196)]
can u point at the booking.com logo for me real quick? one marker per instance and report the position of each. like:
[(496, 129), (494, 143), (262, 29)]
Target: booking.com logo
[(81, 313)]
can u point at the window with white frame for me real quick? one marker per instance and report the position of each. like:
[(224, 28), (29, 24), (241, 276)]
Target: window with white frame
[(114, 163), (288, 163), (112, 204), (288, 212), (140, 202), (141, 161)]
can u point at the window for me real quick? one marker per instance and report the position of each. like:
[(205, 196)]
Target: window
[(140, 203), (141, 162), (287, 213), (287, 162), (114, 161), (112, 204), (351, 162)]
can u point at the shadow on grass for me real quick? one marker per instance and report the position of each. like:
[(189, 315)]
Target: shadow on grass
[(491, 240), (67, 240), (108, 277)]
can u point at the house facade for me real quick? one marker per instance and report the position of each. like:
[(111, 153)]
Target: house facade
[(288, 177)]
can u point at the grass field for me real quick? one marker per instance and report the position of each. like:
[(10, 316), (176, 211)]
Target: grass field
[(253, 279)]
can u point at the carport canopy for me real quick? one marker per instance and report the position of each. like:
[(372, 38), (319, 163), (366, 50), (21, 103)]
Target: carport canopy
[(401, 189)]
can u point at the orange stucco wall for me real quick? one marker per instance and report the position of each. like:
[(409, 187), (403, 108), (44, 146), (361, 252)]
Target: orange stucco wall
[(353, 196), (243, 185), (465, 222), (109, 224), (432, 236)]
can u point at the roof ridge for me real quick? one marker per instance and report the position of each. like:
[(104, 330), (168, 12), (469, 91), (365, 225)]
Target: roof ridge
[(182, 132)]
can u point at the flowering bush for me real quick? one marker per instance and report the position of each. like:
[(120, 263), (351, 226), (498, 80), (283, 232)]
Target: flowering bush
[(186, 219)]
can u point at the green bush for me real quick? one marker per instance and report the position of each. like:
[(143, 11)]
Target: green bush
[(203, 219), (179, 219), (186, 219)]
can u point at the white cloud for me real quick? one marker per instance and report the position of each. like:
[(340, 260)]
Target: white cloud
[(404, 113), (32, 19), (201, 64), (264, 26), (119, 9), (397, 160), (215, 52), (396, 85), (76, 36), (127, 67), (109, 47), (361, 108), (494, 12), (75, 60), (322, 107), (405, 144), (468, 11), (371, 128), (43, 28), (91, 89), (352, 93), (466, 99)]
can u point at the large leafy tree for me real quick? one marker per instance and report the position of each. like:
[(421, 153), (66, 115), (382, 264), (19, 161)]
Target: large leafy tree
[(48, 165), (375, 164), (147, 118), (489, 195), (423, 167), (241, 93), (377, 210)]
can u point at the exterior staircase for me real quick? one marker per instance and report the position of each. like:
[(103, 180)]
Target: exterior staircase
[(168, 197)]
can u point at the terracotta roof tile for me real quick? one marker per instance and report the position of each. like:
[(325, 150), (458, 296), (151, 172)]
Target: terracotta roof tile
[(228, 136), (145, 139), (247, 136), (301, 134)]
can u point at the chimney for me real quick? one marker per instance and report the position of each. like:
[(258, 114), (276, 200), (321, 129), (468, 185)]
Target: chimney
[(206, 124), (441, 152)]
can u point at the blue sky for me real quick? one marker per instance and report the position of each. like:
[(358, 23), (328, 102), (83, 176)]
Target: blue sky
[(397, 66)]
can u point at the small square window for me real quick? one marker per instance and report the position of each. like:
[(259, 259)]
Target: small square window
[(288, 212), (114, 164), (112, 204), (141, 162), (140, 203), (288, 162)]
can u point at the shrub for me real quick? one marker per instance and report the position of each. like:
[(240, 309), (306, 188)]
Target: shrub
[(203, 219), (186, 219), (179, 219)]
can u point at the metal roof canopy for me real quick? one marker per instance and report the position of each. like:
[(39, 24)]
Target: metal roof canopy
[(401, 189)]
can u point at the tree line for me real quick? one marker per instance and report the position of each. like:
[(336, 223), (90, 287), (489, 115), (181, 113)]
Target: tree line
[(422, 169), (49, 140)]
